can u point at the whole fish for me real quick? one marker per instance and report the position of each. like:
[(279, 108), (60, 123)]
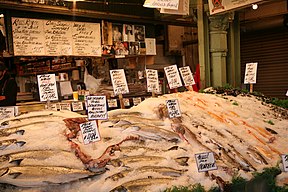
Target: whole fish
[(139, 184), (136, 119), (32, 176), (7, 122), (9, 131), (9, 142)]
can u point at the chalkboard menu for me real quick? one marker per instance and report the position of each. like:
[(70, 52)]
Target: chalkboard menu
[(53, 37)]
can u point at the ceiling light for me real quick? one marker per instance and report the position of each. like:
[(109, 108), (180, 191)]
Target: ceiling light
[(254, 6)]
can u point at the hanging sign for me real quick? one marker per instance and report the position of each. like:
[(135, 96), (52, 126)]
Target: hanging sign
[(77, 106), (285, 162), (89, 132), (119, 81), (167, 4), (136, 100), (187, 76), (7, 112), (173, 76), (250, 73), (219, 6), (47, 87), (96, 107), (173, 108), (152, 80), (205, 162)]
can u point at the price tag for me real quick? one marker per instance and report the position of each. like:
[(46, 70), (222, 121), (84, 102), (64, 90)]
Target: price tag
[(136, 100), (173, 76), (112, 103), (7, 112), (152, 81), (96, 107), (126, 102), (205, 161), (250, 73), (65, 106), (89, 132), (285, 162), (173, 108), (77, 106), (119, 81), (47, 87), (187, 76)]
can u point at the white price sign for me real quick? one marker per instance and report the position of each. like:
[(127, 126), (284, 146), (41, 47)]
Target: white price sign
[(250, 73), (89, 132), (47, 87), (96, 107), (173, 108), (205, 161), (152, 80), (7, 112), (136, 100), (112, 103), (65, 106), (119, 81), (285, 162), (187, 76), (173, 76), (126, 102), (77, 106)]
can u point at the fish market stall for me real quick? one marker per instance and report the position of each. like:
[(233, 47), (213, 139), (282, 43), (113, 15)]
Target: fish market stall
[(211, 139)]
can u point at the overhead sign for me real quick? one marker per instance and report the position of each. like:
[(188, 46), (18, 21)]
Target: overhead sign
[(119, 81), (173, 108), (205, 162), (96, 107), (47, 87), (250, 73), (89, 132), (219, 6), (167, 4), (173, 76), (187, 76)]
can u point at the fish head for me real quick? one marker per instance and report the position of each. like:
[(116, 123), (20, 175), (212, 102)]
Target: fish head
[(120, 189)]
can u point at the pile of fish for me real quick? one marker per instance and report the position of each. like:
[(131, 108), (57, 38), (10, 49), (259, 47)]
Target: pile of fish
[(142, 149)]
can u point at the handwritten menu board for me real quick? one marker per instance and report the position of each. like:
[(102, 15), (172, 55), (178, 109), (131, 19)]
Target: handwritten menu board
[(47, 87), (96, 107), (187, 76), (205, 162), (173, 76), (285, 162), (250, 73), (28, 37), (55, 37), (86, 39), (7, 112), (152, 80), (89, 132), (58, 37), (119, 81), (173, 108)]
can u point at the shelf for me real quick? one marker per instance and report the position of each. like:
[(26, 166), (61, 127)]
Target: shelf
[(49, 71)]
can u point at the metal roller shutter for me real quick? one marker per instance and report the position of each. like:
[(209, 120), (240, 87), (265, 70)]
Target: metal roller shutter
[(270, 49)]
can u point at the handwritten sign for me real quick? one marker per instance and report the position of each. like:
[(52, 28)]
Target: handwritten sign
[(136, 100), (58, 37), (250, 73), (119, 81), (65, 106), (126, 102), (77, 106), (285, 162), (47, 87), (167, 4), (152, 80), (7, 112), (150, 44), (205, 162), (112, 103), (183, 9), (89, 132), (86, 39), (173, 76), (96, 107), (187, 76), (173, 108), (28, 37)]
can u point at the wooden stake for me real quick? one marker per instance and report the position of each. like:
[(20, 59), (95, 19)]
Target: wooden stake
[(190, 88), (153, 94), (121, 101), (251, 87), (94, 144)]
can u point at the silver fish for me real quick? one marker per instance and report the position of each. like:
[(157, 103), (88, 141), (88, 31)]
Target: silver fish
[(4, 123), (31, 176), (9, 131), (6, 143)]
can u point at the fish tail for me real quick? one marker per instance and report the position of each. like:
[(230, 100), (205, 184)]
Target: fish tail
[(20, 143), (14, 175), (16, 162), (182, 161), (20, 132)]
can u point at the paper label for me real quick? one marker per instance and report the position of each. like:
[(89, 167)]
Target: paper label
[(119, 81), (126, 102), (112, 103), (187, 76), (173, 108), (65, 106), (89, 132), (47, 87), (77, 106), (96, 107), (167, 4), (250, 73), (205, 162), (285, 162), (173, 76), (7, 112), (136, 100), (152, 80)]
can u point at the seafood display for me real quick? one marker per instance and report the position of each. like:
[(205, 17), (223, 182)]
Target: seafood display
[(142, 148)]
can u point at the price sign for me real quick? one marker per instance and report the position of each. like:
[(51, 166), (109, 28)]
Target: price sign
[(285, 162), (136, 100), (65, 106), (77, 106), (96, 107), (152, 81), (250, 73), (187, 76), (89, 132), (112, 103), (7, 112), (47, 87), (126, 102), (173, 76), (205, 162), (119, 81), (173, 108)]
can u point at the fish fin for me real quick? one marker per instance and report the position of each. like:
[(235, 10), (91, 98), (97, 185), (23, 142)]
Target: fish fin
[(5, 172), (14, 175), (20, 143), (20, 132), (16, 162)]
